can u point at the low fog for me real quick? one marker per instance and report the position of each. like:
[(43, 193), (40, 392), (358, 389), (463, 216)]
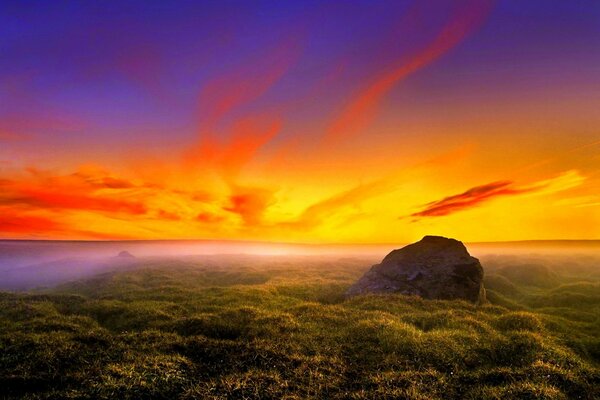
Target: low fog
[(26, 265)]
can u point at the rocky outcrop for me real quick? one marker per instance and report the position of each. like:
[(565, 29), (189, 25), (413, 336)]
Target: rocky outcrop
[(125, 254), (433, 268)]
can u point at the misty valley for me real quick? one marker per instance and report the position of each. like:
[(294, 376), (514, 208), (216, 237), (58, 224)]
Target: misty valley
[(109, 323)]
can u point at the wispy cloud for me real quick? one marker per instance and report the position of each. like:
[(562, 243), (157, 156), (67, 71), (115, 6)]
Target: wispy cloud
[(318, 212), (579, 201), (252, 79), (243, 141), (12, 222), (54, 199), (469, 199), (229, 135), (351, 200), (477, 195), (249, 203), (361, 109), (79, 191), (18, 222)]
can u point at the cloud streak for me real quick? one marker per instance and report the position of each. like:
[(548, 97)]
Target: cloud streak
[(315, 214), (477, 195), (78, 191), (229, 135), (469, 199), (362, 108), (250, 81), (10, 222), (228, 157)]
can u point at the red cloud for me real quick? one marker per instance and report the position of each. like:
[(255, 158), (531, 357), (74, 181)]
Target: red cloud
[(470, 198), (78, 191), (12, 223), (18, 224), (248, 135), (43, 198), (361, 109), (249, 203), (226, 144), (223, 94)]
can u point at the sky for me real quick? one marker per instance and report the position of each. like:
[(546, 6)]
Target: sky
[(300, 121)]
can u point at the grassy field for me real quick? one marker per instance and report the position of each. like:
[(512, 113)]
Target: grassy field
[(272, 328)]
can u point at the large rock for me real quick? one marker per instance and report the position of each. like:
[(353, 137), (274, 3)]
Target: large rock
[(433, 268)]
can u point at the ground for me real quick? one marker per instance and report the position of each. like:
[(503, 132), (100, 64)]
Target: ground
[(280, 327)]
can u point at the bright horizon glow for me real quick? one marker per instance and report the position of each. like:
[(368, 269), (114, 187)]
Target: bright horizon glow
[(303, 122)]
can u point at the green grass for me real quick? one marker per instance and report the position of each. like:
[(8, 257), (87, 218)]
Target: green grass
[(281, 328)]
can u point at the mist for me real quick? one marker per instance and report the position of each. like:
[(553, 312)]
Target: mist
[(26, 265)]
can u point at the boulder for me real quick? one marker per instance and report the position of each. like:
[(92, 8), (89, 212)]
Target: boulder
[(125, 254), (433, 268)]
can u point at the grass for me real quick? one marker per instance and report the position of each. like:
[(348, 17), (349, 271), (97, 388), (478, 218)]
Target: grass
[(277, 328)]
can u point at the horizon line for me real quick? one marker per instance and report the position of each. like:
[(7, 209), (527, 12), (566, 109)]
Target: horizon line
[(242, 241)]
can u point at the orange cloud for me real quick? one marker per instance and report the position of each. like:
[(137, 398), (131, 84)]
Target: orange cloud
[(107, 182), (249, 203), (42, 198), (361, 110), (202, 196), (247, 136), (19, 224), (209, 218), (71, 192)]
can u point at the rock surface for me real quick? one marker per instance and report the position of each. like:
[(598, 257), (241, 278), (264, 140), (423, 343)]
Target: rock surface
[(125, 254), (433, 268)]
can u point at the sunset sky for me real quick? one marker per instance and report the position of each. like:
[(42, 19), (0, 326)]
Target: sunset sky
[(300, 121)]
